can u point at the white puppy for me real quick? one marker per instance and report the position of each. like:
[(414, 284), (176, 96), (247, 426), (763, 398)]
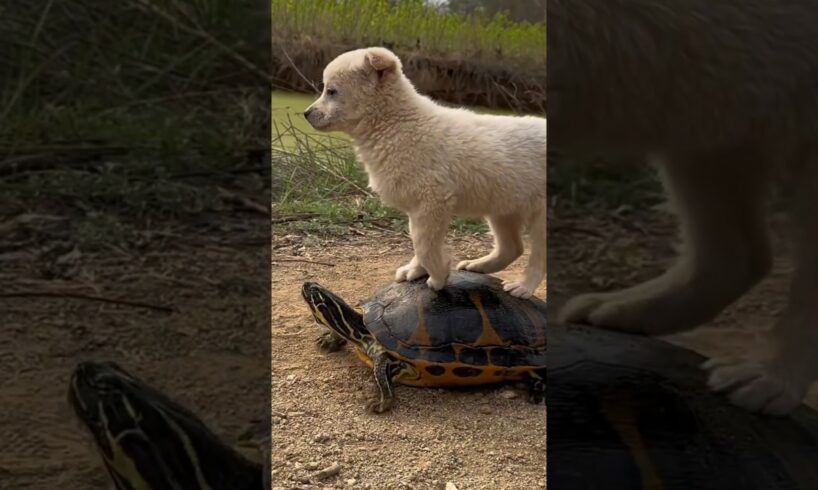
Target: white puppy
[(435, 162), (722, 95)]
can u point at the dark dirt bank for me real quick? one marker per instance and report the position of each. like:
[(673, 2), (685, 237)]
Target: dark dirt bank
[(504, 84)]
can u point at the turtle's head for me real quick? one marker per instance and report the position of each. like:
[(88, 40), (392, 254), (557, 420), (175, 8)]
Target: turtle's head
[(334, 313), (148, 441)]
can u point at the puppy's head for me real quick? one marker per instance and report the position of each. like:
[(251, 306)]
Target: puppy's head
[(355, 83)]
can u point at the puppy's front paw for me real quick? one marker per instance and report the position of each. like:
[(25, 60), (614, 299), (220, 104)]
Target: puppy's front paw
[(754, 386), (630, 310), (578, 309), (409, 272), (518, 289), (436, 283)]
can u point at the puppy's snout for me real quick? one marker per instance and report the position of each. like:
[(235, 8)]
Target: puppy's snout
[(308, 112)]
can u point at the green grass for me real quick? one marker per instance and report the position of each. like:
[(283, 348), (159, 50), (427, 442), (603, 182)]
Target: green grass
[(172, 86), (407, 23), (603, 185)]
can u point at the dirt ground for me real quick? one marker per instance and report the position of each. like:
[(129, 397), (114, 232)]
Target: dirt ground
[(599, 251), (488, 438), (209, 352)]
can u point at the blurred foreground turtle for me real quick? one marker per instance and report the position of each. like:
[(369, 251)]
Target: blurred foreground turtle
[(627, 412), (149, 442), (471, 332)]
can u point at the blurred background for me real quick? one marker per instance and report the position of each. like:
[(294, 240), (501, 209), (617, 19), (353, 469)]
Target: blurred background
[(134, 216)]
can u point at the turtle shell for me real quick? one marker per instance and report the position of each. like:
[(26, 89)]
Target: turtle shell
[(471, 321), (638, 411)]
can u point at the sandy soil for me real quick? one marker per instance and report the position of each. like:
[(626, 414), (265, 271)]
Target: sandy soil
[(488, 438), (607, 251), (210, 353)]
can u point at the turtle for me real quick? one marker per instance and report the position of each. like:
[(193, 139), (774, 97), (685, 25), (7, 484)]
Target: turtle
[(639, 412), (147, 441), (469, 333)]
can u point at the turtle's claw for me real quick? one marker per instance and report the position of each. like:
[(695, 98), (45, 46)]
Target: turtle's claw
[(376, 405), (329, 342), (536, 397)]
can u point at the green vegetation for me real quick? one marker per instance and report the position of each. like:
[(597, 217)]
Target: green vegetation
[(599, 185), (409, 24), (130, 111)]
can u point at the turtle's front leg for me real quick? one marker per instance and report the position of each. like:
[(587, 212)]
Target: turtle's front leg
[(536, 386), (330, 342), (385, 369)]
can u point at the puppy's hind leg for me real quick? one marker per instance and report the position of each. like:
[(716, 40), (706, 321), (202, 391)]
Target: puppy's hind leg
[(537, 261), (508, 246), (721, 200), (775, 378)]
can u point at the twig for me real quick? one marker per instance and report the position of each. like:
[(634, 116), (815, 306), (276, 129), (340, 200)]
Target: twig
[(244, 201), (293, 217), (68, 148), (306, 261), (230, 171), (292, 63), (386, 228), (139, 304), (575, 229), (56, 158), (199, 31), (165, 98)]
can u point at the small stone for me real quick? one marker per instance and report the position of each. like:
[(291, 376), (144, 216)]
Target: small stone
[(351, 482), (290, 378), (322, 438), (450, 486), (311, 466), (509, 394), (485, 409)]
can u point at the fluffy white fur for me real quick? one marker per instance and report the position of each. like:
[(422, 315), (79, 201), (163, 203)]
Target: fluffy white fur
[(434, 162), (722, 94)]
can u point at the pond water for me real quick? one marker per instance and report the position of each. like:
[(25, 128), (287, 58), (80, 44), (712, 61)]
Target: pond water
[(288, 117)]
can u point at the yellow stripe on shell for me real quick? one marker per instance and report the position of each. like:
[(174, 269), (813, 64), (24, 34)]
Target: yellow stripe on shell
[(619, 409), (489, 335)]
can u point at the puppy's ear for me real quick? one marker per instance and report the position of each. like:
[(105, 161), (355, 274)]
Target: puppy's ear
[(383, 62)]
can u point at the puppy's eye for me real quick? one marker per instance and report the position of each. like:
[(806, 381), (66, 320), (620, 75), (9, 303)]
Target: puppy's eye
[(331, 92)]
